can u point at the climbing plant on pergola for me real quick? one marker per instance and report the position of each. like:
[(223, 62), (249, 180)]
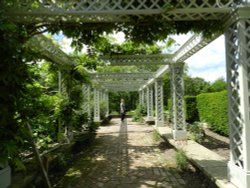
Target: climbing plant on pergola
[(149, 21)]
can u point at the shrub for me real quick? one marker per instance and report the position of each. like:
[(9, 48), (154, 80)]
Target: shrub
[(156, 136), (213, 109), (139, 112), (196, 132), (170, 104), (181, 160), (191, 111)]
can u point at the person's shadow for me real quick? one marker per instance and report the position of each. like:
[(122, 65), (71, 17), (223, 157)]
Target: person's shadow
[(124, 122)]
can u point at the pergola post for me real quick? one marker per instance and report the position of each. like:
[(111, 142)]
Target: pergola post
[(59, 128), (143, 97), (159, 111), (177, 86), (96, 105), (107, 103), (238, 78), (150, 107), (140, 97), (86, 100)]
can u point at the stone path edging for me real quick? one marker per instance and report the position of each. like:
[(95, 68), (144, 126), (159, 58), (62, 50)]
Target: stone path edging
[(210, 163)]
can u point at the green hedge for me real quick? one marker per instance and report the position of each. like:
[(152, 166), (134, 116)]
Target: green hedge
[(191, 111), (213, 109)]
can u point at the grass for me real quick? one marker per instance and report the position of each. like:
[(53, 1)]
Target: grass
[(181, 160), (156, 136)]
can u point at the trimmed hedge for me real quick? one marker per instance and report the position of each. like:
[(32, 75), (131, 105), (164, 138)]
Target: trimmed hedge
[(213, 109), (191, 111)]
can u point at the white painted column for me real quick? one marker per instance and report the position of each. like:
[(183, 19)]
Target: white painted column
[(143, 97), (140, 97), (238, 78), (96, 105), (159, 110), (89, 101), (177, 87), (107, 103), (150, 107), (86, 100)]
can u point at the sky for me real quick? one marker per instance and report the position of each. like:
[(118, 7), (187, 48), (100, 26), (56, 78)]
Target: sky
[(208, 63)]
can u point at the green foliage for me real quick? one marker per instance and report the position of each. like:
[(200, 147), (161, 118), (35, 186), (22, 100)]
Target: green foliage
[(103, 109), (213, 109), (130, 98), (181, 160), (156, 136), (195, 86), (196, 132), (107, 47), (14, 76), (191, 111), (140, 111), (169, 107), (218, 85)]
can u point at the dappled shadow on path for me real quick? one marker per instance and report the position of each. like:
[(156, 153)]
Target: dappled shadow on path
[(123, 155)]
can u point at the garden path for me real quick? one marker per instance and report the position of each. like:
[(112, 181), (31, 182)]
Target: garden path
[(128, 155)]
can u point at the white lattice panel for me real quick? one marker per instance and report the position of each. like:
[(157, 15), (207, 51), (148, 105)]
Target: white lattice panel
[(96, 105), (234, 97), (86, 100), (114, 11), (178, 96), (123, 89), (121, 75), (45, 46), (159, 102), (150, 106), (238, 72), (238, 78), (125, 60)]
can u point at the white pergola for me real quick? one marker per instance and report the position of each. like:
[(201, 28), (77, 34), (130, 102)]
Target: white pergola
[(236, 16)]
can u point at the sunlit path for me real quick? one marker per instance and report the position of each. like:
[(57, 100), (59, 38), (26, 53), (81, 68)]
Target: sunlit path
[(125, 155)]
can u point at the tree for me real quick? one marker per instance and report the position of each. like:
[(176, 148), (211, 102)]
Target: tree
[(218, 85), (195, 86)]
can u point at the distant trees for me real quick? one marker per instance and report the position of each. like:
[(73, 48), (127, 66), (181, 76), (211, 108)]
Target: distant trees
[(218, 85)]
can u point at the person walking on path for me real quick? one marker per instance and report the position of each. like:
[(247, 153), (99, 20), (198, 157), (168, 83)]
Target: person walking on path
[(122, 110)]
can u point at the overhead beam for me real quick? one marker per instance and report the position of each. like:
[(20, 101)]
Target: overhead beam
[(128, 82), (113, 11), (123, 89), (46, 47), (127, 60), (99, 76)]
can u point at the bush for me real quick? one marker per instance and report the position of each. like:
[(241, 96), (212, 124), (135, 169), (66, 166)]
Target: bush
[(196, 132), (170, 106), (156, 136), (139, 113), (213, 109), (191, 111), (181, 160)]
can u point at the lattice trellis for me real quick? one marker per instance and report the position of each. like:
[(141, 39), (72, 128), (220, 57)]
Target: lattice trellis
[(140, 97), (102, 76), (120, 60), (45, 46), (159, 102), (86, 100), (238, 73), (107, 102), (114, 11), (236, 125), (150, 105), (96, 105), (178, 96)]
